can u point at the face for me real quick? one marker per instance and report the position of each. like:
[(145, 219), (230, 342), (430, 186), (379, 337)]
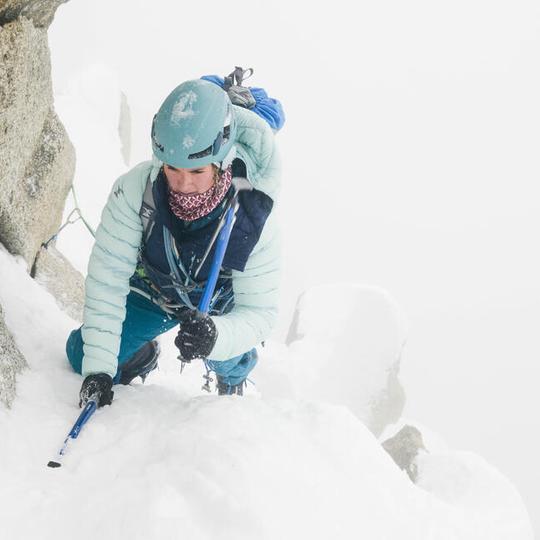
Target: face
[(189, 181)]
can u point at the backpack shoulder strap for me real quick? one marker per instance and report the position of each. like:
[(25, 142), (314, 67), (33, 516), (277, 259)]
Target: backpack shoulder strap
[(148, 210), (239, 168)]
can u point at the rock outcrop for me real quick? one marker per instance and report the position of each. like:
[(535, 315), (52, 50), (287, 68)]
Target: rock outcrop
[(404, 448), (37, 160), (40, 12), (57, 275), (11, 362)]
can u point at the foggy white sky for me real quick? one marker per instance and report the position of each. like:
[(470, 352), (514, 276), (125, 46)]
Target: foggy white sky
[(410, 162)]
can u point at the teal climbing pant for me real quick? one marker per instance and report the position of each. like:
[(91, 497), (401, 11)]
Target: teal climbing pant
[(144, 322)]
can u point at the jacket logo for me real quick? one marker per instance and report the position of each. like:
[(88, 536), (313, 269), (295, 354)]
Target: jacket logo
[(118, 191), (146, 211)]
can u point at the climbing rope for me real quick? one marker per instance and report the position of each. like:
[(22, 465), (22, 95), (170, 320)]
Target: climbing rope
[(69, 221)]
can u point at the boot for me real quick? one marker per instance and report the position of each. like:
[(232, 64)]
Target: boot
[(141, 363), (226, 389)]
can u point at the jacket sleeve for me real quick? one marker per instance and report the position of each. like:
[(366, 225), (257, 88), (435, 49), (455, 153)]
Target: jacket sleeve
[(112, 263), (256, 294)]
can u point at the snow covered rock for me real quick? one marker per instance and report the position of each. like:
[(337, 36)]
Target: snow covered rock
[(36, 158), (11, 362), (345, 344), (467, 482), (55, 273)]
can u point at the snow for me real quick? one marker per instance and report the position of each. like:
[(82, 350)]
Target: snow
[(183, 108), (291, 459), (168, 461), (353, 334), (288, 460), (188, 142), (344, 348)]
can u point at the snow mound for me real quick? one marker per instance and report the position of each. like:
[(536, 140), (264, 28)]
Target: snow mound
[(166, 462), (345, 345)]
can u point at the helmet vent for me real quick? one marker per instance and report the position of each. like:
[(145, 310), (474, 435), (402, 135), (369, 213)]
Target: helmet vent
[(214, 148), (201, 154), (154, 139)]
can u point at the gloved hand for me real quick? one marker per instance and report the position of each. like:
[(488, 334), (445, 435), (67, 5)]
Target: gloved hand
[(98, 385), (196, 337)]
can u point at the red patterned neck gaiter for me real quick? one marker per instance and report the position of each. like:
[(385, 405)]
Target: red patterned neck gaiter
[(198, 205)]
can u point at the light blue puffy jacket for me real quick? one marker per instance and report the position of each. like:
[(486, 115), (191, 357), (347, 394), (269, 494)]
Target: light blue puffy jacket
[(118, 238)]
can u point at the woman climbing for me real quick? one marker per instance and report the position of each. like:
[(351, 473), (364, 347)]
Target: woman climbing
[(156, 242)]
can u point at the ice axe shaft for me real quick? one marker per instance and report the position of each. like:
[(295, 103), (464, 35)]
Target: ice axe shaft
[(240, 184), (221, 247), (87, 412)]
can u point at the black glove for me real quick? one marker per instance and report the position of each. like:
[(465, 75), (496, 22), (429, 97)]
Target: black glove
[(196, 337), (98, 386)]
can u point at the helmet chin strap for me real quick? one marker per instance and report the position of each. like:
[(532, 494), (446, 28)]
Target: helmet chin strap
[(227, 160)]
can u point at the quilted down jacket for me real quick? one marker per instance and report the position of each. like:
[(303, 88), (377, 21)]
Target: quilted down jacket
[(118, 240)]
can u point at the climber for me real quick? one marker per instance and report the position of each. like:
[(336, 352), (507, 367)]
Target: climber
[(156, 241)]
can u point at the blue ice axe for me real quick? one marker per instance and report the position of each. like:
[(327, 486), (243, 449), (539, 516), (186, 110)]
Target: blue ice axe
[(221, 246), (240, 184), (87, 412)]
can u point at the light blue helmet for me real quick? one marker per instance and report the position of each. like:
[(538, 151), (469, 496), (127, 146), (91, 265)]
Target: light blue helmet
[(195, 126)]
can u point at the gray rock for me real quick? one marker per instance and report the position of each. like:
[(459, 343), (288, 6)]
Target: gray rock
[(57, 275), (40, 12), (389, 404), (404, 448), (11, 363), (37, 160), (25, 95), (294, 333)]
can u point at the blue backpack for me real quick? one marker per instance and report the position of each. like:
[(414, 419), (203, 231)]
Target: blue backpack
[(253, 98)]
